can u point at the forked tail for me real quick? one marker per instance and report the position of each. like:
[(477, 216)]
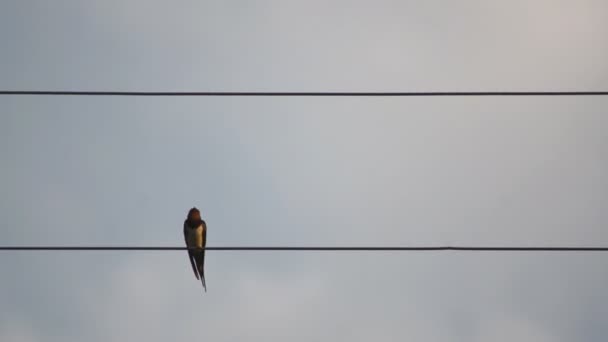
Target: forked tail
[(203, 281)]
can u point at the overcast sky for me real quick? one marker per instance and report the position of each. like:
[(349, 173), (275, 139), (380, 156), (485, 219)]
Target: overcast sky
[(304, 171)]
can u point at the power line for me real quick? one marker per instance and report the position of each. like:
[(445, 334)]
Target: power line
[(301, 94), (310, 248)]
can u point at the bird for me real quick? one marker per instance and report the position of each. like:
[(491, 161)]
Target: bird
[(195, 235)]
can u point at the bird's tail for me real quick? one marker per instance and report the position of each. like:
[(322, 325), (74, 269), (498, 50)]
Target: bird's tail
[(203, 281), (201, 269)]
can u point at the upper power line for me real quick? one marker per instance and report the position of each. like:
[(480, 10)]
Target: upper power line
[(313, 248), (301, 94)]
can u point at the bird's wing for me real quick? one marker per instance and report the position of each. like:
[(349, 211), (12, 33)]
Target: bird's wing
[(202, 257), (190, 252)]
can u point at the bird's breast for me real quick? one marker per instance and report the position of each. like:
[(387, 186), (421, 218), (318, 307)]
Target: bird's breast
[(195, 238)]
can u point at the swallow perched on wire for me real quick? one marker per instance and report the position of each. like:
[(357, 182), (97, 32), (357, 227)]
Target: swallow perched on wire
[(195, 235)]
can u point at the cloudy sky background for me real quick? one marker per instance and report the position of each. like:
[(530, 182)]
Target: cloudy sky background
[(304, 171)]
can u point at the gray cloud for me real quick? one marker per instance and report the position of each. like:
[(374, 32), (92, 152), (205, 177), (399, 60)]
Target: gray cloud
[(521, 171)]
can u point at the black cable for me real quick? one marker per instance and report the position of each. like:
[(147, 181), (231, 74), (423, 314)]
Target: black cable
[(300, 94), (307, 248)]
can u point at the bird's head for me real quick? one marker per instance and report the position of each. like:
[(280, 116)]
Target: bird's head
[(194, 215)]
